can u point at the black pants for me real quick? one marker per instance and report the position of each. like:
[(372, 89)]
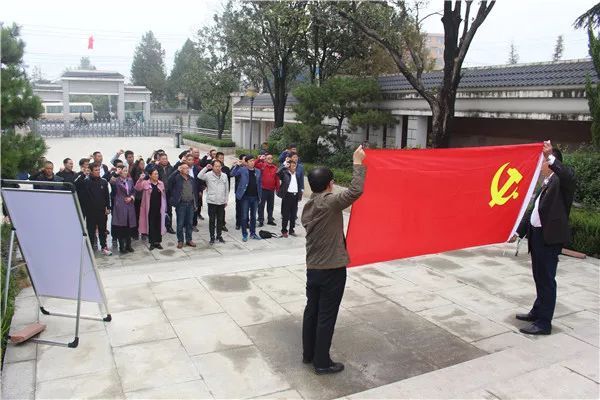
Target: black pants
[(289, 211), (154, 225), (137, 203), (216, 216), (544, 261), (169, 217), (238, 212), (96, 219), (268, 199), (324, 291)]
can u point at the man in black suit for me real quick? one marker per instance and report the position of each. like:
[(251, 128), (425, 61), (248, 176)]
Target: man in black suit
[(547, 229)]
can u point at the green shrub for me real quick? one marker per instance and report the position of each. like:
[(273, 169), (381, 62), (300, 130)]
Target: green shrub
[(209, 140), (21, 153), (303, 136), (585, 225), (341, 176), (13, 289), (586, 164), (246, 152)]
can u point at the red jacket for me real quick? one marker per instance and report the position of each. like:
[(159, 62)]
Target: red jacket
[(270, 180)]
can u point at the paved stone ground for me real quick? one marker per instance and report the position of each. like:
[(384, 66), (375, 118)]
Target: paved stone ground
[(224, 322)]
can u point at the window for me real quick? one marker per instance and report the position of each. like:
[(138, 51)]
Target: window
[(54, 109)]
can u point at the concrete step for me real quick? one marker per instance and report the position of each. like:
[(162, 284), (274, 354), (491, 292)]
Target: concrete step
[(550, 367)]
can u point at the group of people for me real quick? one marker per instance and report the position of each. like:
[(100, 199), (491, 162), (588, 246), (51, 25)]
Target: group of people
[(141, 194)]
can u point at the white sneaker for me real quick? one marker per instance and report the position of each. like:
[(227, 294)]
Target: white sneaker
[(106, 251)]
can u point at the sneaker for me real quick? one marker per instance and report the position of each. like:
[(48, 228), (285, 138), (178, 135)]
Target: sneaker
[(272, 223), (180, 245), (224, 229), (212, 241), (244, 238), (158, 246), (255, 236), (284, 234), (220, 239), (106, 251)]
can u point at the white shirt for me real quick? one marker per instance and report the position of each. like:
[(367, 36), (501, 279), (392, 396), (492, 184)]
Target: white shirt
[(293, 188), (535, 215)]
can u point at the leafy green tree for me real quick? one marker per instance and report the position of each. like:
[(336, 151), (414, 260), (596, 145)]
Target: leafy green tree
[(86, 64), (148, 67), (398, 28), (265, 40), (18, 103), (21, 153), (513, 54), (221, 76), (592, 90), (187, 75), (558, 48)]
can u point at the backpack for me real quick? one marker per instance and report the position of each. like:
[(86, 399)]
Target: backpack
[(267, 234)]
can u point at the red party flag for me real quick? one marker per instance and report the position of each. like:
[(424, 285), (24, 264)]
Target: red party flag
[(91, 42), (428, 201)]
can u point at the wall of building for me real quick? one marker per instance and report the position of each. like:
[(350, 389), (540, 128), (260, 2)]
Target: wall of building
[(486, 132)]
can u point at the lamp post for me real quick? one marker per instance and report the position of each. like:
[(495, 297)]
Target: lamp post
[(180, 96), (251, 92)]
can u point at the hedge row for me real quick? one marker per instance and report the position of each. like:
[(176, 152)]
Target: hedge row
[(209, 140), (585, 225)]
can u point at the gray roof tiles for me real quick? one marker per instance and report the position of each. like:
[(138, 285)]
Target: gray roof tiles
[(92, 74), (552, 75)]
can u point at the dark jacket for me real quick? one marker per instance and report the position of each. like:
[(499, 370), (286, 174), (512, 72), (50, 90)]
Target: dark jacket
[(95, 196), (41, 177), (324, 223), (242, 172), (227, 171), (554, 206), (285, 175), (164, 172), (67, 176), (175, 188)]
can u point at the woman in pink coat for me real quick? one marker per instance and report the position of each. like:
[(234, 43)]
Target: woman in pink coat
[(152, 209)]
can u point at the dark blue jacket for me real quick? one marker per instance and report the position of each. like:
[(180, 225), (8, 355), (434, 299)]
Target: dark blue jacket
[(175, 188), (242, 172)]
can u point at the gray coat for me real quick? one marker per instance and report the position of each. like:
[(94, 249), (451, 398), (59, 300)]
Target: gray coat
[(217, 191)]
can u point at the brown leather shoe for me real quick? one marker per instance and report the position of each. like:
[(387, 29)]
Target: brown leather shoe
[(191, 244), (179, 245)]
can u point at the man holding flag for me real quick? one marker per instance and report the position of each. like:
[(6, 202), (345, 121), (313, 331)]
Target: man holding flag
[(547, 229)]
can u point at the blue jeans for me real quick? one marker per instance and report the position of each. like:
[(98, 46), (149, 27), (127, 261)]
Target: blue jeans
[(185, 215), (249, 205)]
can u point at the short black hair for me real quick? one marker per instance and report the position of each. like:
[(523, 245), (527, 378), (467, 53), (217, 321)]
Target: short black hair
[(219, 153), (216, 161), (66, 160), (94, 153), (557, 153), (242, 156), (116, 162), (292, 153), (292, 145), (319, 179), (48, 162), (83, 161), (249, 157), (128, 152), (183, 153)]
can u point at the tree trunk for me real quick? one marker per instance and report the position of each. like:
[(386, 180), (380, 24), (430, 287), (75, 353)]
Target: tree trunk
[(279, 99), (440, 121)]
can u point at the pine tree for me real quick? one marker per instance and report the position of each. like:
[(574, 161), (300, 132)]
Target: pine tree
[(558, 49), (148, 67), (19, 104), (513, 55)]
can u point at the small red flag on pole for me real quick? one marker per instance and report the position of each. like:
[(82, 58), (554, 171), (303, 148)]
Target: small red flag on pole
[(91, 42)]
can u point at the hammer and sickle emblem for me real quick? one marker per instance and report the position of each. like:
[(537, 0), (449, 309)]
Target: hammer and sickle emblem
[(500, 195)]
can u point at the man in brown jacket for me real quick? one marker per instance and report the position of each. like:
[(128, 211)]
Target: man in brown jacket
[(326, 260)]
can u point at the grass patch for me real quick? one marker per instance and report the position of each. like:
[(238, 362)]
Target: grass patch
[(209, 140)]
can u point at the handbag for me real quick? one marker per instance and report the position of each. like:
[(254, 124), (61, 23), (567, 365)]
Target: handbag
[(267, 234)]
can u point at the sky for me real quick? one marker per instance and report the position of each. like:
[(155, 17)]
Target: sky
[(56, 32)]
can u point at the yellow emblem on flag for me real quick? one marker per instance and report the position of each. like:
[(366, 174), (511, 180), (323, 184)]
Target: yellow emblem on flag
[(500, 195)]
